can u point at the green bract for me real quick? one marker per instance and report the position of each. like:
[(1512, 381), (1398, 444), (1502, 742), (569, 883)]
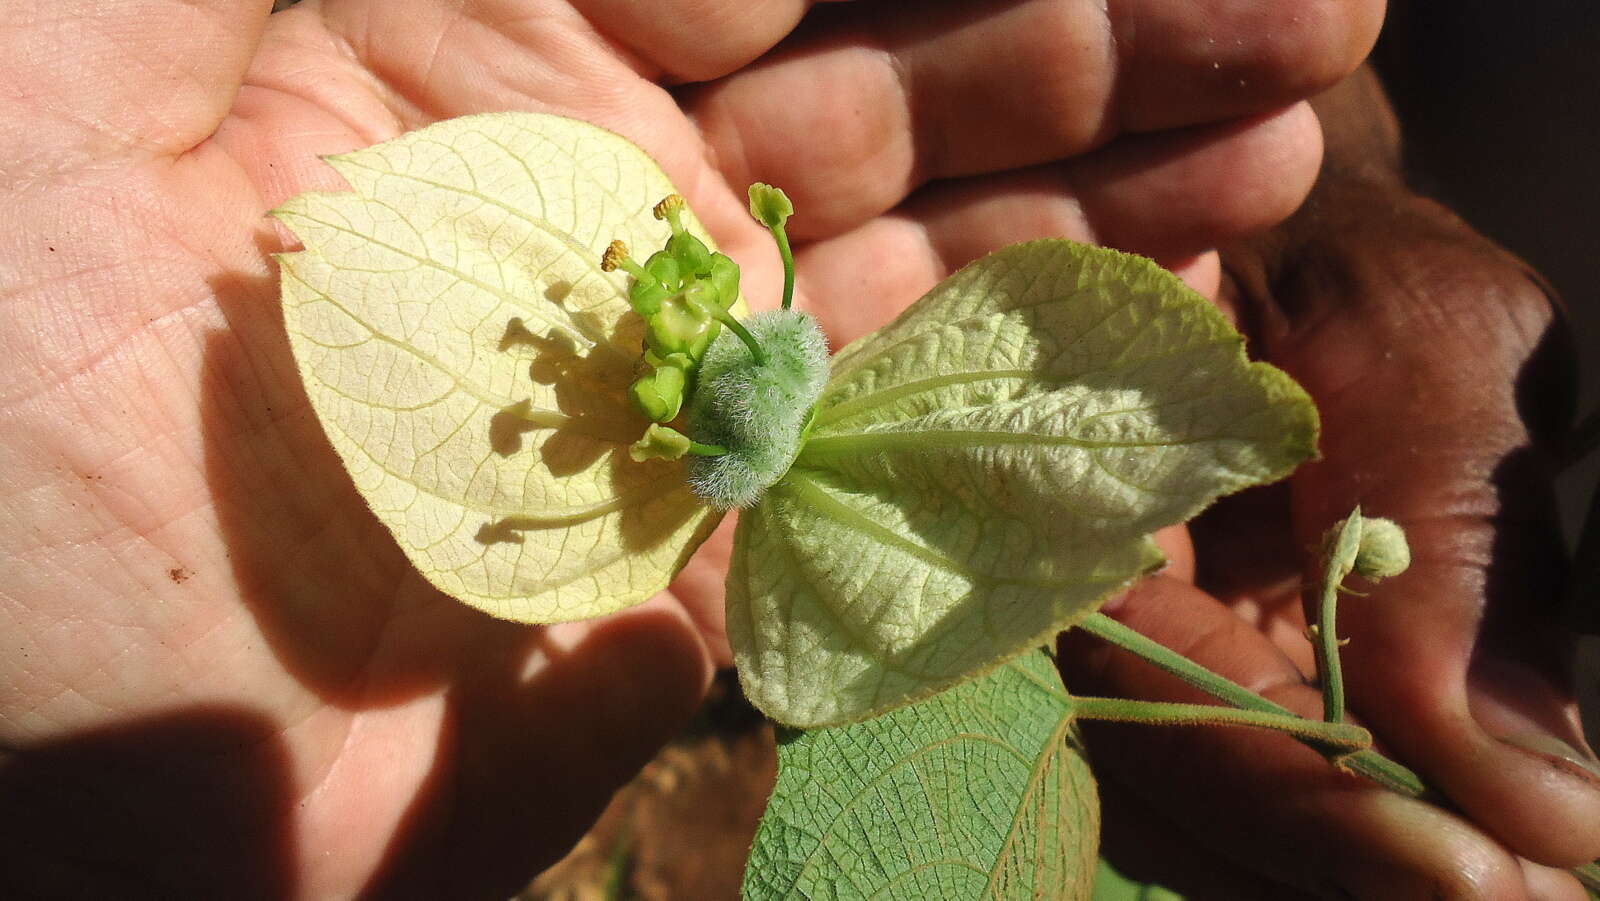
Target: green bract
[(977, 475), (984, 471), (470, 361)]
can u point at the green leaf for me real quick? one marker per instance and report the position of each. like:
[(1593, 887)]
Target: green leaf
[(984, 471), (470, 361), (979, 792)]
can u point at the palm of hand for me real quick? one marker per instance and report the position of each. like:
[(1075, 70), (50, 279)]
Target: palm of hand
[(227, 582), (204, 591)]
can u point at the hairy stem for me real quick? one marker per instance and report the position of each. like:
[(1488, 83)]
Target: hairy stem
[(1589, 875), (1332, 739), (1368, 763), (1341, 556)]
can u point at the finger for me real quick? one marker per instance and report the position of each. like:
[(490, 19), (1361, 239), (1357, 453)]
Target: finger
[(1181, 193), (1551, 884), (1261, 799), (680, 42), (87, 79), (700, 589), (1187, 63), (932, 97), (1141, 841), (1224, 180), (418, 61)]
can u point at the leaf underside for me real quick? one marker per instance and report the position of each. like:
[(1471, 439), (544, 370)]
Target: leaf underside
[(977, 793), (986, 470), (469, 360)]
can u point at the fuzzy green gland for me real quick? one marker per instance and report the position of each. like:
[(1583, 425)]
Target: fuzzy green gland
[(754, 407)]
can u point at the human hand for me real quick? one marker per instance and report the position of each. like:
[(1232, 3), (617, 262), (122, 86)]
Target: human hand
[(1444, 378), (222, 677)]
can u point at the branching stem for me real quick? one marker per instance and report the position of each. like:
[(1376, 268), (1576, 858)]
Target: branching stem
[(1367, 763)]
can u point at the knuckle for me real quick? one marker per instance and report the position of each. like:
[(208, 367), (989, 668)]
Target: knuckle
[(1309, 47)]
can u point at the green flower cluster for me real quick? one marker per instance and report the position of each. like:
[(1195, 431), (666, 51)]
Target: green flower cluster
[(750, 392), (683, 293)]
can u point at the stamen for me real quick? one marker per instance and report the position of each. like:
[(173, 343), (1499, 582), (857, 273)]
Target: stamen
[(671, 209), (616, 257)]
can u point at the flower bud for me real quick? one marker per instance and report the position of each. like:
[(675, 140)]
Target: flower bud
[(1383, 551), (694, 258), (659, 393), (724, 280)]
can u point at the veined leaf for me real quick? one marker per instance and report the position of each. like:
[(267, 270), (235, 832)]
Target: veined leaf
[(469, 360), (987, 469), (978, 793)]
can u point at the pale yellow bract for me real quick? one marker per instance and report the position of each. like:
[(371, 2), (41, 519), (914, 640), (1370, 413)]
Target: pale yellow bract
[(469, 360)]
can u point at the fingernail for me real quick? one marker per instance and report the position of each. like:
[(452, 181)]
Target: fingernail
[(1557, 751)]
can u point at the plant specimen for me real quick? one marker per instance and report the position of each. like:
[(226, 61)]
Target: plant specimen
[(549, 427)]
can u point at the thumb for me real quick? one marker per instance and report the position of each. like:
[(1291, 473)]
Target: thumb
[(1439, 368)]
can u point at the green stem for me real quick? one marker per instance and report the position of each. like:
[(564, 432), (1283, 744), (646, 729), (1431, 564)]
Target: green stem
[(1335, 738), (782, 237), (756, 350), (706, 450), (1388, 773), (1325, 633), (1370, 764), (1589, 875), (1330, 673)]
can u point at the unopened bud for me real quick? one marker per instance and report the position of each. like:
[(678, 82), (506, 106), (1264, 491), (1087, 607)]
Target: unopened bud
[(659, 393), (1383, 551)]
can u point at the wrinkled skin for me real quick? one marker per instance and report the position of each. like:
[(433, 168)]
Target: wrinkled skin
[(220, 676)]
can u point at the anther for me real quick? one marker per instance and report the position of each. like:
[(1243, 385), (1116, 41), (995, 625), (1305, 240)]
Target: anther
[(616, 257), (671, 209)]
